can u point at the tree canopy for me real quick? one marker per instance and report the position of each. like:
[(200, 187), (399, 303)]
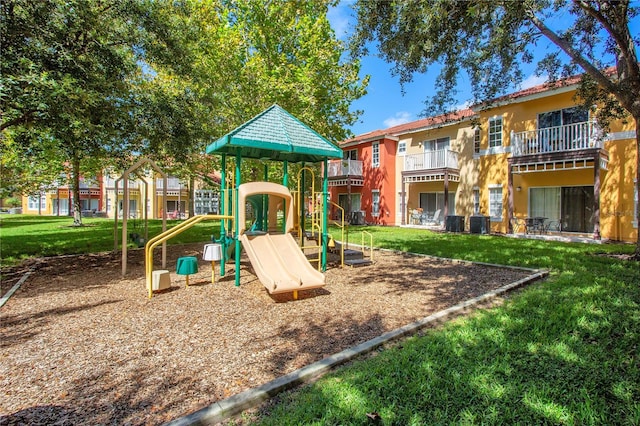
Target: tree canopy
[(100, 81), (486, 42)]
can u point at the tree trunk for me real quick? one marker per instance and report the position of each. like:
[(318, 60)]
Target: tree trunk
[(637, 123), (192, 191), (75, 171)]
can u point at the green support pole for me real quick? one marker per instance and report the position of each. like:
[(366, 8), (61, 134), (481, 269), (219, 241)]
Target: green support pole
[(221, 207), (325, 193), (238, 180), (302, 204), (285, 182), (285, 176), (265, 203)]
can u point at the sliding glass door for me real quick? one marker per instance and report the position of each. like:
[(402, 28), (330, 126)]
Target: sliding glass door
[(570, 206), (545, 202), (577, 209), (430, 202)]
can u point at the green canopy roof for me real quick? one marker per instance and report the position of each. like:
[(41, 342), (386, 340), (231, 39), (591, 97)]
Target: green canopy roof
[(276, 135)]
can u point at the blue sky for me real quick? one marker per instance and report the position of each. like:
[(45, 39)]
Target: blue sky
[(385, 105)]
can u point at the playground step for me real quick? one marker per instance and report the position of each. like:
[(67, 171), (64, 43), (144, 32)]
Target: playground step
[(353, 254), (358, 262), (312, 236)]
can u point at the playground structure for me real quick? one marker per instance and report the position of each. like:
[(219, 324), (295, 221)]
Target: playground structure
[(277, 260), (139, 239)]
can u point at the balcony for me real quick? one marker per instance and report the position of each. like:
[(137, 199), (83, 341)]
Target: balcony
[(173, 184), (345, 168), (431, 160), (561, 139), (110, 183)]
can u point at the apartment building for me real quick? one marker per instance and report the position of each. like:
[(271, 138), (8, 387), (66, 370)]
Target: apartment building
[(532, 161), (99, 197), (57, 199), (363, 182)]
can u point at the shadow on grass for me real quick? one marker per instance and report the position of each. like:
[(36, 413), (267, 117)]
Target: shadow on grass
[(563, 352)]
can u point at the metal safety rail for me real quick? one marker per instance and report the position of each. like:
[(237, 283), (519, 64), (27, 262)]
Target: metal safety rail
[(342, 225), (168, 234), (370, 244)]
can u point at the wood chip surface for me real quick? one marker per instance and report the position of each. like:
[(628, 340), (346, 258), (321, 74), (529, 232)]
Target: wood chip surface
[(83, 346)]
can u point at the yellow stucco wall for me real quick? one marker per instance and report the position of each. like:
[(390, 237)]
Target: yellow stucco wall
[(461, 141), (617, 183)]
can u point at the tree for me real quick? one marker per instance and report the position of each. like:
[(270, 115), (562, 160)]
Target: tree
[(71, 74), (490, 39), (100, 80), (248, 55)]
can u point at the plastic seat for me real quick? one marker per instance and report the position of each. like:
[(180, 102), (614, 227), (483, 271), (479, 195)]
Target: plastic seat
[(517, 224), (187, 265)]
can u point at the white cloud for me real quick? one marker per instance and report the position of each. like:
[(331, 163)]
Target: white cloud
[(533, 80), (460, 107), (340, 19), (399, 118)]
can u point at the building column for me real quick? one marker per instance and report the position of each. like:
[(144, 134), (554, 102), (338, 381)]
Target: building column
[(403, 194), (509, 198), (446, 194), (348, 212), (596, 196)]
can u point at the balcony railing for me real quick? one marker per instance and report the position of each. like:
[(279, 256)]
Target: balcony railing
[(440, 159), (345, 168), (172, 184), (571, 137), (111, 183)]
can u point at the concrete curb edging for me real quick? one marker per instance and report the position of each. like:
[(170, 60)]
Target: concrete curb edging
[(250, 398), (13, 289)]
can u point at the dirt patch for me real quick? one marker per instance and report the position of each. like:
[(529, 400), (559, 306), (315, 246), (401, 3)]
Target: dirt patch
[(82, 345)]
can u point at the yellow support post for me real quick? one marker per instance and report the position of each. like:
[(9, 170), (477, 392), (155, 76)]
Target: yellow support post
[(168, 234)]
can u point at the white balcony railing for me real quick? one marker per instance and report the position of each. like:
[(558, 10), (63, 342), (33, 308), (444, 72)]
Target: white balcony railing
[(172, 184), (111, 183), (571, 137), (443, 158), (345, 168)]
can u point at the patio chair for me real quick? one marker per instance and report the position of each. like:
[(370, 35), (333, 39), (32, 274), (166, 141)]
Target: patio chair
[(551, 225), (415, 217), (517, 224), (435, 219)]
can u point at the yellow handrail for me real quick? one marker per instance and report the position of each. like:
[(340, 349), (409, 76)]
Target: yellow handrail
[(370, 244), (168, 234), (342, 226)]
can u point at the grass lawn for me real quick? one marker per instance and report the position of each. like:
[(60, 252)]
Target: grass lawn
[(23, 236), (564, 351)]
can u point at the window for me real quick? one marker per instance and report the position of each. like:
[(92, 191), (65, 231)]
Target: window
[(564, 129), (436, 144), (476, 140), (562, 117), (351, 154), (433, 202), (343, 201), (375, 204), (570, 206), (545, 202), (402, 147), (33, 202), (375, 154), (495, 203), (495, 132), (476, 201)]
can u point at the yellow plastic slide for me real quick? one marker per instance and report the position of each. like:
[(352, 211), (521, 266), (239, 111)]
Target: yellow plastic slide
[(280, 264)]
